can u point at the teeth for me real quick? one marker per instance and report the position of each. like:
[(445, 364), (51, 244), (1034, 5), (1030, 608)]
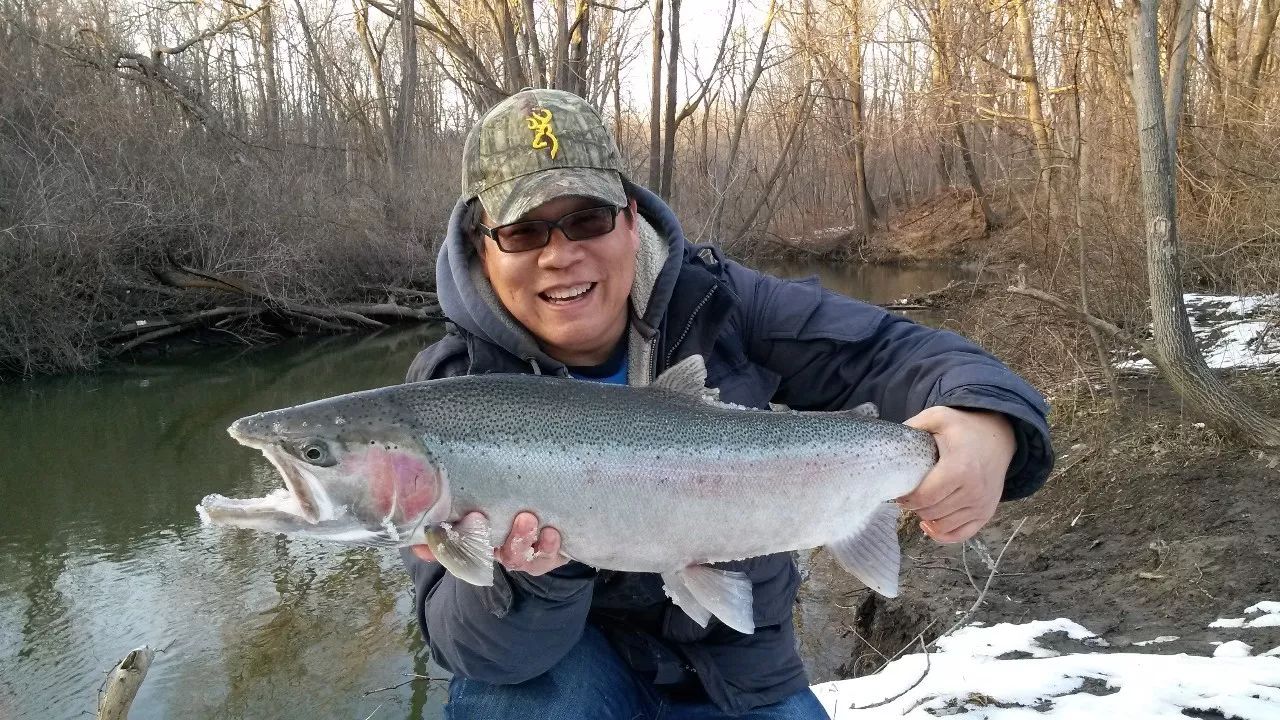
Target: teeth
[(568, 293)]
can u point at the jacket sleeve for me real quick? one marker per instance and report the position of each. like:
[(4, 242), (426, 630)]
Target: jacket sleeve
[(831, 352), (515, 629)]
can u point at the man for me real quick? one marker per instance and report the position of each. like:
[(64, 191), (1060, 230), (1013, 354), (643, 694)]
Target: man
[(555, 264)]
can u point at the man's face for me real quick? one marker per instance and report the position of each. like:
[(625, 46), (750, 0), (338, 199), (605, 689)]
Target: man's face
[(571, 294)]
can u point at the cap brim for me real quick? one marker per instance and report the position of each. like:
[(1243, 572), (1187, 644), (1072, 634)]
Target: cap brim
[(508, 202)]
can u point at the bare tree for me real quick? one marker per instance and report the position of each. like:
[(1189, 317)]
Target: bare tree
[(406, 100), (1177, 355)]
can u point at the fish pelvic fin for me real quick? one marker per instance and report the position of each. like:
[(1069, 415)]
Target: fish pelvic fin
[(463, 549), (872, 553), (702, 591)]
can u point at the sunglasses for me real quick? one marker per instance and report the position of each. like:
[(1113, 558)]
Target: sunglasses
[(532, 234)]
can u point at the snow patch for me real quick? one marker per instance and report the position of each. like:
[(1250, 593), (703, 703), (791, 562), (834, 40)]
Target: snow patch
[(997, 640), (1235, 648), (1268, 612), (1232, 331), (965, 676)]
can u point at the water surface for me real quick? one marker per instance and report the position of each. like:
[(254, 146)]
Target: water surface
[(101, 550)]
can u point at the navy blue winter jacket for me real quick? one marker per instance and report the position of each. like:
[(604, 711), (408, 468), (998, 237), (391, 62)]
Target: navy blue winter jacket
[(764, 340)]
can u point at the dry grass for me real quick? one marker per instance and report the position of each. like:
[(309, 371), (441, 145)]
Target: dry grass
[(87, 212)]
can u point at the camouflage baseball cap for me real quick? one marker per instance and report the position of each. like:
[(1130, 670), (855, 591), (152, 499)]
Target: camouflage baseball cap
[(535, 146)]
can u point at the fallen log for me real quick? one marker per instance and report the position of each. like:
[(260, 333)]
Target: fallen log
[(426, 312), (117, 692), (148, 325), (177, 326)]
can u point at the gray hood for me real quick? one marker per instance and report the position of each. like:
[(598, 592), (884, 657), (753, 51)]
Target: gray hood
[(468, 300)]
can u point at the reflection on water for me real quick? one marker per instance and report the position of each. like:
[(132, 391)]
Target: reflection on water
[(101, 549), (873, 283)]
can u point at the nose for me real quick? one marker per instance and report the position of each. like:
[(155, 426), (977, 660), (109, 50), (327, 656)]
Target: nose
[(560, 251)]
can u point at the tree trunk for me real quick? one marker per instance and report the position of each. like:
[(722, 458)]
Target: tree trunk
[(317, 62), (867, 214), (669, 113), (270, 78), (971, 170), (535, 48), (1177, 355), (513, 74), (560, 56), (1173, 100), (1031, 88), (655, 101), (374, 58), (407, 97), (1212, 67), (1267, 10), (579, 48)]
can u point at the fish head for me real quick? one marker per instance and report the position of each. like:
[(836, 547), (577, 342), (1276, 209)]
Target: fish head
[(348, 474)]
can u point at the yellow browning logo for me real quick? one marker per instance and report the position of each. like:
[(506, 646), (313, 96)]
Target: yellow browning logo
[(540, 123)]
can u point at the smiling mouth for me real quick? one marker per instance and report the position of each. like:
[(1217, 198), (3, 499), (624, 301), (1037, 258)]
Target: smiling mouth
[(568, 295)]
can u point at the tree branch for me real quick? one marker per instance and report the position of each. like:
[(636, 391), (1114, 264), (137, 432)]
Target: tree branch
[(1096, 323)]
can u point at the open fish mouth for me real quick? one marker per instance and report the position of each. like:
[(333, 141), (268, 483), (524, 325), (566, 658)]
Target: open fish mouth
[(300, 503)]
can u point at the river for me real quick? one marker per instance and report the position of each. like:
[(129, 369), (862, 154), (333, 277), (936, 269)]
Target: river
[(101, 549)]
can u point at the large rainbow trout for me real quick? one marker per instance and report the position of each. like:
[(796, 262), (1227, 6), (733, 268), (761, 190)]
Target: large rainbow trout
[(663, 479)]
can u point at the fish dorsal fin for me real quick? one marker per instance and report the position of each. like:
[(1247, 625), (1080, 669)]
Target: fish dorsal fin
[(689, 376), (865, 410), (872, 554), (702, 591), (464, 550)]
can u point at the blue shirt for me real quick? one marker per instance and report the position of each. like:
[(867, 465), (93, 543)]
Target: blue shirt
[(612, 371)]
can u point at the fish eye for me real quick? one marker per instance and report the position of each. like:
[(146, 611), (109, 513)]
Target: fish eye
[(316, 452)]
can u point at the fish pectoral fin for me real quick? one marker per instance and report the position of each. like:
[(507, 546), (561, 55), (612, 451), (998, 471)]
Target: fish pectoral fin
[(702, 591), (872, 554), (463, 549)]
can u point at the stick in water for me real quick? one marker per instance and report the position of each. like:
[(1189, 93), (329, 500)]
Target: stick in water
[(122, 684)]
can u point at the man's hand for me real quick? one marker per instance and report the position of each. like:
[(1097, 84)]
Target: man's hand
[(960, 493), (526, 549)]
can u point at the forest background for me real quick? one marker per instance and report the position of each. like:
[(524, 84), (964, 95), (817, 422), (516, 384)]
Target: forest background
[(305, 152)]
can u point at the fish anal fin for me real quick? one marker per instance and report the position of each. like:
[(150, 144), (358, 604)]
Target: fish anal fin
[(872, 553), (463, 549), (703, 591), (675, 589), (689, 376)]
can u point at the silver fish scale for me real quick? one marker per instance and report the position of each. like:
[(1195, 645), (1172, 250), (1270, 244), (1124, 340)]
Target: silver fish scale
[(571, 413)]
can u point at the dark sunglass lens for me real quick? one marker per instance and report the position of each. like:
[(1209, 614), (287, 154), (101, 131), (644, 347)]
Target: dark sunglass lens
[(522, 236), (588, 223)]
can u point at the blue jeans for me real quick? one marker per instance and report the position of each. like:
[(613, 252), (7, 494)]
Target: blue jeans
[(593, 683)]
